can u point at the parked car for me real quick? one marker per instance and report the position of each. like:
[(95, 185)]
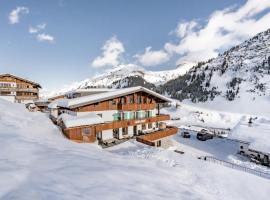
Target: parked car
[(203, 135), (185, 134)]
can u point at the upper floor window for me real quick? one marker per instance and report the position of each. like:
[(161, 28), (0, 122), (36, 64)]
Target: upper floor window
[(131, 99), (123, 100), (139, 99), (86, 131), (145, 100)]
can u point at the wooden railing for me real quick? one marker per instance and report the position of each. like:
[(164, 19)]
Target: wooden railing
[(135, 106), (150, 137), (15, 89)]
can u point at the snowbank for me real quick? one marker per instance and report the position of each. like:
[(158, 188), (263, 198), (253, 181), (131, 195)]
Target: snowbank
[(36, 162)]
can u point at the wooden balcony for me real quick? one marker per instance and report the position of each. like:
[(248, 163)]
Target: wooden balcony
[(127, 107), (15, 89), (157, 135), (133, 122)]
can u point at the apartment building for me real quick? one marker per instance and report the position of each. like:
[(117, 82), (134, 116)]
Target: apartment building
[(114, 115), (16, 89)]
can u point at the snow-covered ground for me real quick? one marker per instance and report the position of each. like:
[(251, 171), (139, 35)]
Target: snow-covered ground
[(37, 162), (258, 133)]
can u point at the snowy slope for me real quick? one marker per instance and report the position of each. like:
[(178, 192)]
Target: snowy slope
[(240, 75), (36, 162)]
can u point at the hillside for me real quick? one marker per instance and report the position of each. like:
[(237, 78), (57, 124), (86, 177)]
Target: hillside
[(241, 73), (38, 163)]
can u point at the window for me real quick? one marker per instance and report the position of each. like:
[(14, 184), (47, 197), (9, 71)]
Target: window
[(113, 102), (139, 99), (116, 116), (131, 99), (149, 125), (86, 131), (124, 131), (143, 127), (145, 100), (159, 143), (123, 100)]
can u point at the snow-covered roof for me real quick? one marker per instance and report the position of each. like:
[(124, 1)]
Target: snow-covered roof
[(257, 134), (81, 101), (81, 120)]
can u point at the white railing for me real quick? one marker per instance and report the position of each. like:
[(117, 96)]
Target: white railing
[(236, 166)]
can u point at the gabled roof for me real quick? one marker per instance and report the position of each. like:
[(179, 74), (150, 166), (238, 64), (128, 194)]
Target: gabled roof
[(81, 101), (22, 79)]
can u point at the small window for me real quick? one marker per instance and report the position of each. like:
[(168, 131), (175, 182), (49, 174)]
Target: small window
[(143, 127), (159, 143), (112, 102), (149, 125), (86, 131)]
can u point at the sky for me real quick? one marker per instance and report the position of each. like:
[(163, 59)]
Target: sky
[(57, 42)]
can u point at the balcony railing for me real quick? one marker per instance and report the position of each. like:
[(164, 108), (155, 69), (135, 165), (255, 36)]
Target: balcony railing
[(156, 135), (14, 89), (136, 106)]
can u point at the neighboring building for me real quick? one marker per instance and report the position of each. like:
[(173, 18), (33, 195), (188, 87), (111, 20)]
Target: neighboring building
[(114, 115), (16, 89), (86, 92), (262, 157)]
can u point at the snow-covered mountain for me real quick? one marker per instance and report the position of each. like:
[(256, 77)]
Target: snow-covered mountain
[(241, 73), (127, 76)]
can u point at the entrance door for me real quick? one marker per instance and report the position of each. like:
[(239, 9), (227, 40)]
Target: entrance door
[(116, 133), (134, 130)]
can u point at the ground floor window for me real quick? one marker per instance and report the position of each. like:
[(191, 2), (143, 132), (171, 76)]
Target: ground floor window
[(116, 133), (143, 127), (86, 131), (150, 126), (159, 143), (124, 131)]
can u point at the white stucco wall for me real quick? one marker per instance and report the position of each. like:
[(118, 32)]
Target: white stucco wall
[(107, 134)]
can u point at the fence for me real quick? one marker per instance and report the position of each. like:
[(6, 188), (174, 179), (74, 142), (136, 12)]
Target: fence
[(236, 166)]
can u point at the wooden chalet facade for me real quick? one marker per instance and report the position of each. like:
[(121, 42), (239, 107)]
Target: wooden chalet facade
[(18, 89), (124, 113)]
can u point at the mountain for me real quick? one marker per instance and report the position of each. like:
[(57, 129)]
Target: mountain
[(128, 75), (243, 72)]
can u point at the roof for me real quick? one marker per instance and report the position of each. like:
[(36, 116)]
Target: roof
[(257, 134), (23, 79), (81, 101), (81, 120)]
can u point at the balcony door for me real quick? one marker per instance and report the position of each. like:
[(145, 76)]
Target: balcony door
[(135, 130)]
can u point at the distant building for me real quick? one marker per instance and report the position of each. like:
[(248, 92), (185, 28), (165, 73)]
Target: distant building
[(114, 115), (16, 89)]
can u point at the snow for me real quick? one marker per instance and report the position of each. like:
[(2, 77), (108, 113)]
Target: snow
[(37, 162), (104, 96), (195, 117), (81, 120)]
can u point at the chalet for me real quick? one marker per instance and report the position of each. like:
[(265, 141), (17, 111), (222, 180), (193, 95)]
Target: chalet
[(16, 89), (114, 115)]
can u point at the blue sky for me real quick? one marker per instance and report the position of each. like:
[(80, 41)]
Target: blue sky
[(71, 40)]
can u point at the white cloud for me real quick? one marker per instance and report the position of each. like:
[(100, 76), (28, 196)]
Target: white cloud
[(112, 51), (152, 58), (185, 28), (223, 29), (14, 15), (45, 37), (37, 29)]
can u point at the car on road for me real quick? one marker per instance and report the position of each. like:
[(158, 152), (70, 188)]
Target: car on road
[(185, 134), (204, 135)]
